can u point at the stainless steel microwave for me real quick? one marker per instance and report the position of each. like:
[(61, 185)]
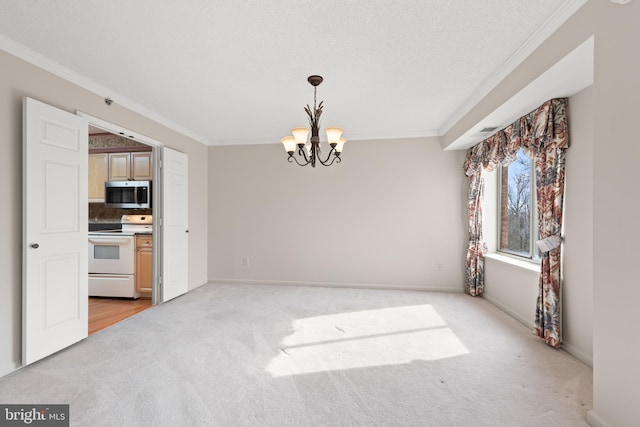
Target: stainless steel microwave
[(127, 194)]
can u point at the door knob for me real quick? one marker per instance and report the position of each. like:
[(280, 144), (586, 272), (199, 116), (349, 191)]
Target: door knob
[(35, 246), (186, 231)]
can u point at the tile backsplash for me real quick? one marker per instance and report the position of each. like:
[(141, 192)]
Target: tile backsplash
[(99, 213), (107, 140)]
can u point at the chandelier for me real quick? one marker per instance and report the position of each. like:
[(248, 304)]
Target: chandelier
[(309, 152)]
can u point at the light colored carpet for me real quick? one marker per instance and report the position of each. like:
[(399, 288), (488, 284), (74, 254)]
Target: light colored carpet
[(241, 355)]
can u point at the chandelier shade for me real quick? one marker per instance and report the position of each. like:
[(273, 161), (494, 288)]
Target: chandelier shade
[(309, 149), (300, 135), (289, 143), (333, 135)]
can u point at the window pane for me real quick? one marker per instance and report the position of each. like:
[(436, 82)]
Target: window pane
[(516, 207)]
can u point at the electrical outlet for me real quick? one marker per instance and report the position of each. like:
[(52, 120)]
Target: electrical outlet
[(246, 261)]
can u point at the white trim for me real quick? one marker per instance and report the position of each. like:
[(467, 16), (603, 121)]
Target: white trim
[(352, 137), (555, 21), (526, 322), (577, 353), (565, 78), (387, 287), (425, 133), (9, 367), (515, 261), (595, 421), (115, 129), (40, 61), (156, 192)]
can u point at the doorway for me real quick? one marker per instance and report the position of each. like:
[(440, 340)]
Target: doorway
[(55, 226), (120, 285)]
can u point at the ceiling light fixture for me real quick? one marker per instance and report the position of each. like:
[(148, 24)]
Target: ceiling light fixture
[(310, 151)]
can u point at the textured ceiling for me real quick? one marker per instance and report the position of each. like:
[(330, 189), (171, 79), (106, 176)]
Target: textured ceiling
[(234, 72)]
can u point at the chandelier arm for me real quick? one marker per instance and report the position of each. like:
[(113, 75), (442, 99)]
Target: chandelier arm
[(326, 161), (293, 158), (302, 153), (331, 162)]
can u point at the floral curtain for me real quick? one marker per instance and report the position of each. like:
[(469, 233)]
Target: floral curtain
[(486, 156), (474, 271), (543, 136)]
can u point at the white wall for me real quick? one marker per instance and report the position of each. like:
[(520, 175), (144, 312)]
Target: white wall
[(21, 79), (616, 207), (514, 288), (577, 262), (386, 216)]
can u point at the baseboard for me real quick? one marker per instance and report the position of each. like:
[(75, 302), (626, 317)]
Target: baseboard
[(574, 351), (577, 353), (336, 285), (197, 286), (526, 322), (7, 368), (595, 421)]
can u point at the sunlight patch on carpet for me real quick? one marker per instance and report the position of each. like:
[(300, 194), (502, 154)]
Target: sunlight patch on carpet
[(362, 339)]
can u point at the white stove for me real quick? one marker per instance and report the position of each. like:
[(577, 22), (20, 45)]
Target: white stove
[(129, 225), (112, 257)]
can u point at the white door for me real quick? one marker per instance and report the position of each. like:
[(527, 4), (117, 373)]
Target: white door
[(54, 258), (175, 199)]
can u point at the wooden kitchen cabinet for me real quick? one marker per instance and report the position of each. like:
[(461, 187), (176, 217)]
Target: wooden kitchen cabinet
[(144, 263), (126, 166), (142, 166), (119, 166), (98, 174)]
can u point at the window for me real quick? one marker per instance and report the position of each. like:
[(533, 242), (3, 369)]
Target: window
[(518, 216)]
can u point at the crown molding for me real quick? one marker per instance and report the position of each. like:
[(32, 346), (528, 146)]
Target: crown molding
[(352, 137), (41, 61), (552, 23)]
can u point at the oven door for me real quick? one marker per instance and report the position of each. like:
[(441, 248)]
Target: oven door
[(112, 254)]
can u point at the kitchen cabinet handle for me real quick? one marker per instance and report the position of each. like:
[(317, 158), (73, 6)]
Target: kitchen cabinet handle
[(35, 246), (186, 231)]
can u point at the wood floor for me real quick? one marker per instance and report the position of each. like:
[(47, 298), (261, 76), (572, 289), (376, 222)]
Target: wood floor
[(104, 312)]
